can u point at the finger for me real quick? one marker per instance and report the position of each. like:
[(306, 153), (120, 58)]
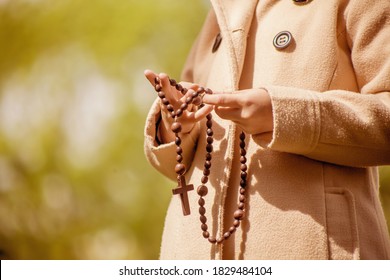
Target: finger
[(222, 99), (202, 112), (150, 75), (228, 113)]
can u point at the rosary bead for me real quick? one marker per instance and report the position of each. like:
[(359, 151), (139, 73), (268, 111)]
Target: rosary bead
[(243, 175), (243, 183), (212, 240), (236, 223), (243, 159), (176, 127), (242, 145), (209, 148), (158, 87), (184, 106), (201, 201), (184, 91), (209, 132), (244, 167), (188, 99), (179, 158), (156, 80), (204, 180), (197, 101), (165, 101), (226, 235), (208, 91), (209, 117), (202, 210), (194, 94), (209, 123), (172, 82), (206, 172), (161, 94), (178, 141), (180, 169), (179, 87), (179, 150), (242, 190), (203, 219), (242, 136), (207, 164), (200, 90), (173, 114), (243, 152), (210, 140), (209, 156), (238, 214), (242, 198), (170, 108), (202, 190), (220, 240), (232, 229), (241, 206), (206, 234), (179, 112), (204, 227)]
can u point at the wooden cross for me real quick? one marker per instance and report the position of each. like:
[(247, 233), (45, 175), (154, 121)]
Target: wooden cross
[(182, 189)]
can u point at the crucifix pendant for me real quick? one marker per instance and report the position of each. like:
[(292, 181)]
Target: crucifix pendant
[(182, 189)]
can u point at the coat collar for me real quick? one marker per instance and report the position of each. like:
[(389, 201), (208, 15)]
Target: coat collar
[(234, 19)]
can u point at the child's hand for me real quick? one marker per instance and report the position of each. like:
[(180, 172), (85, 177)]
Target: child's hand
[(251, 109), (189, 117)]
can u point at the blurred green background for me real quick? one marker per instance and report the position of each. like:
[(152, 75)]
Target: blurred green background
[(74, 182)]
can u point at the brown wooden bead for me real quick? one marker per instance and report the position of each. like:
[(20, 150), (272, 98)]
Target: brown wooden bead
[(170, 108), (179, 158), (188, 99), (241, 206), (197, 101), (238, 214), (232, 229), (179, 112), (176, 127), (210, 140), (184, 91), (180, 169), (201, 201), (242, 198), (173, 114), (172, 82), (220, 239), (179, 150), (206, 234), (202, 210), (243, 152), (165, 101), (209, 148), (242, 190), (209, 156), (157, 80), (236, 223), (243, 183), (184, 106), (204, 180), (207, 164), (209, 123), (179, 87), (243, 159), (243, 167), (203, 219), (242, 136), (208, 91), (200, 90), (209, 132), (227, 235), (243, 175), (206, 172), (202, 190), (204, 227), (158, 87), (242, 145), (161, 94), (209, 117), (212, 240)]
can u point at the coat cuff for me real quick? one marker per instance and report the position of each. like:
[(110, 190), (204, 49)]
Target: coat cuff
[(162, 156), (297, 120)]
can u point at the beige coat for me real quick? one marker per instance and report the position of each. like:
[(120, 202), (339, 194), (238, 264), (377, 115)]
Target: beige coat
[(313, 190)]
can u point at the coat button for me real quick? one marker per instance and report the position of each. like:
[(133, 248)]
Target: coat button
[(217, 42), (301, 1), (282, 40)]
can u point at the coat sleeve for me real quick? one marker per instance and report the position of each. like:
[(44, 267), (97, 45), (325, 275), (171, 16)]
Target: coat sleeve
[(342, 127)]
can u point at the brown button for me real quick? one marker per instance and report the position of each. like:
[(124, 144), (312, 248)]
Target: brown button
[(282, 40), (217, 42), (301, 1)]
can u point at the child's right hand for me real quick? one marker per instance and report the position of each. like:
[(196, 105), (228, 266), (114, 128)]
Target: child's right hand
[(188, 118)]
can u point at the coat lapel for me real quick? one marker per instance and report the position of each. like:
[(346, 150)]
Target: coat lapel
[(234, 19)]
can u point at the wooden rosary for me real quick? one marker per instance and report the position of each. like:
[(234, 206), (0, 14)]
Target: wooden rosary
[(196, 98)]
